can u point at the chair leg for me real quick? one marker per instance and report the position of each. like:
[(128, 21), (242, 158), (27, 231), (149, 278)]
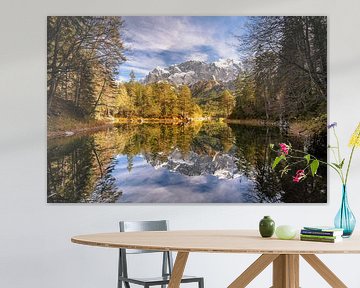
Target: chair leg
[(201, 283)]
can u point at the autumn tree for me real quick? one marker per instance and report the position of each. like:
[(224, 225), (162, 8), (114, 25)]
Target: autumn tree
[(185, 101), (227, 101), (83, 56)]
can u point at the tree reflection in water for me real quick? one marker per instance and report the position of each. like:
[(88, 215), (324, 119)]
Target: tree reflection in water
[(199, 162)]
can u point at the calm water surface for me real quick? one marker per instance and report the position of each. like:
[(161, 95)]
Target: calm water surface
[(195, 163)]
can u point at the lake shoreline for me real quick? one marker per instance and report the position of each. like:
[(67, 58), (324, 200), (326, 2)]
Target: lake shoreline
[(93, 126), (298, 128), (295, 128), (76, 131)]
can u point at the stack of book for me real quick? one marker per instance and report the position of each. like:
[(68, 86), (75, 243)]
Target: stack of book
[(321, 234)]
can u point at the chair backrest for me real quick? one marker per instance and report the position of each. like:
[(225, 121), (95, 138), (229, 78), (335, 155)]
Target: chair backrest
[(134, 226)]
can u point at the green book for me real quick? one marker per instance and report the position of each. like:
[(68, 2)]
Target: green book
[(325, 240), (319, 236)]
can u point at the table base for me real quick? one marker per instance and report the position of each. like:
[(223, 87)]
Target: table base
[(285, 270)]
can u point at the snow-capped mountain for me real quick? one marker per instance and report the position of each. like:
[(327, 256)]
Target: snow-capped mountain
[(190, 72)]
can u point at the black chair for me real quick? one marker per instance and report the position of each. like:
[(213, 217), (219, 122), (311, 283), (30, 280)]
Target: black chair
[(167, 265)]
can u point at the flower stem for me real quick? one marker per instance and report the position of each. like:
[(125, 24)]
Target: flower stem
[(338, 145), (339, 160), (348, 166), (336, 169)]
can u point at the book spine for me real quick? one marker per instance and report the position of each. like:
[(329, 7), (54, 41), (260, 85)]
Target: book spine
[(318, 236), (320, 233), (318, 239)]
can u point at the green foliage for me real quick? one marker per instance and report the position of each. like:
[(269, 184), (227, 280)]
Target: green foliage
[(244, 97), (314, 166), (227, 102), (277, 161), (80, 68), (285, 75)]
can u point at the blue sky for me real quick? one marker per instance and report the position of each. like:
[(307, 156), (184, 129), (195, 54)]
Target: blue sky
[(165, 40)]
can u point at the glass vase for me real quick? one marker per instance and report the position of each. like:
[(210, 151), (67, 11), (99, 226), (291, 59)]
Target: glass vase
[(345, 219)]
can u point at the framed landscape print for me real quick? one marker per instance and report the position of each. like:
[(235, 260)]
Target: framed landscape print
[(185, 109)]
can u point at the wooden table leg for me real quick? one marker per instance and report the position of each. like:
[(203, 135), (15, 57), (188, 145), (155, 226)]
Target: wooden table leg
[(253, 270), (286, 271), (178, 270), (324, 271)]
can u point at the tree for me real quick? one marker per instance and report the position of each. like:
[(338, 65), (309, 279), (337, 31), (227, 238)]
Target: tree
[(132, 76), (227, 101), (185, 101), (84, 54), (244, 97), (286, 63)]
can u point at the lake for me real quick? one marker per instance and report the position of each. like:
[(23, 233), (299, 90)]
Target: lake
[(200, 162)]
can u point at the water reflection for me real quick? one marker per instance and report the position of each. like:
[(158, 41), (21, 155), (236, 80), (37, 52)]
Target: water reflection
[(201, 162)]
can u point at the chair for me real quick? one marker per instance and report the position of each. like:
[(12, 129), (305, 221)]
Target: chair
[(167, 262)]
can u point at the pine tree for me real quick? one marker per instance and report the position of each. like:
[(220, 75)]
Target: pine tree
[(227, 101), (185, 101)]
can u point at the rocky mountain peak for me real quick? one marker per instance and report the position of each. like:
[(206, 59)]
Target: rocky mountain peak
[(190, 72)]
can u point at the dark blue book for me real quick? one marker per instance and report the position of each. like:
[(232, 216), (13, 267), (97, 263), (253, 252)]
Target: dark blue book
[(322, 231)]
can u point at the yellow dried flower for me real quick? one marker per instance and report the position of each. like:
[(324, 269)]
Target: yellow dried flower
[(355, 138)]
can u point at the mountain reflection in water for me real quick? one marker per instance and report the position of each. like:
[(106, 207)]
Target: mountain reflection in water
[(195, 163)]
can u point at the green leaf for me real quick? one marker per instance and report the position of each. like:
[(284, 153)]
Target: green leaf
[(314, 166), (339, 166), (277, 161), (307, 157), (336, 165), (271, 146), (342, 163)]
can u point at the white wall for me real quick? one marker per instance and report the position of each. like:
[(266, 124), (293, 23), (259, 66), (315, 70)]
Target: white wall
[(35, 248)]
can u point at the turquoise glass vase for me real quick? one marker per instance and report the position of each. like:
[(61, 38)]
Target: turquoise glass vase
[(345, 219)]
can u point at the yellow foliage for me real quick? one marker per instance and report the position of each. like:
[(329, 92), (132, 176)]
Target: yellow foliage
[(355, 138)]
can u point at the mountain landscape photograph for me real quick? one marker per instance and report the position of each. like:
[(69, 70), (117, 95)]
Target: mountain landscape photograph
[(185, 109)]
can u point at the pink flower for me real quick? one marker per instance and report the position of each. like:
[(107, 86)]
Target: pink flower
[(284, 148), (300, 174)]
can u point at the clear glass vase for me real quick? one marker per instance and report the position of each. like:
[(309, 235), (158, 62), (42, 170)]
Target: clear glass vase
[(345, 219)]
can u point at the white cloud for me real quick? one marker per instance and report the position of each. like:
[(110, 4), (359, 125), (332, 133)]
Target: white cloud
[(154, 40), (198, 56), (227, 49), (165, 33)]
